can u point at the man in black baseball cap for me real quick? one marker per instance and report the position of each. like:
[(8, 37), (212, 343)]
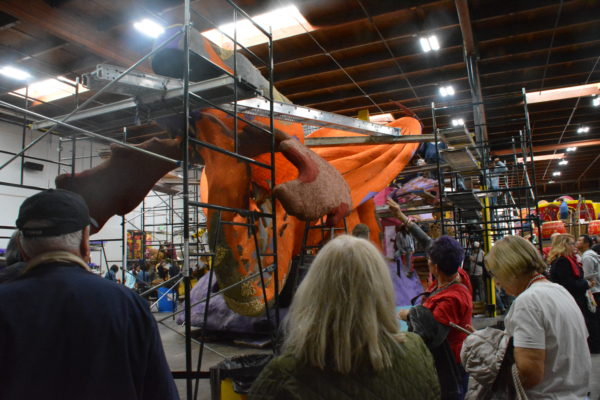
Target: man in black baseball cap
[(63, 211), (80, 336)]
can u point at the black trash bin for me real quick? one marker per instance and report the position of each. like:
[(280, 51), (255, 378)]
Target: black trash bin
[(241, 370)]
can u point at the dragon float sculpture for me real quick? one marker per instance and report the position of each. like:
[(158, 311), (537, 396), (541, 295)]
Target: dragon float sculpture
[(337, 182)]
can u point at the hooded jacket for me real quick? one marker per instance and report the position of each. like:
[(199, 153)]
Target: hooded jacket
[(591, 268), (487, 357)]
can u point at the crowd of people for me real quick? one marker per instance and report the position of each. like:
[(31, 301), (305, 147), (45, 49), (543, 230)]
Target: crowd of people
[(141, 276), (80, 336), (340, 340)]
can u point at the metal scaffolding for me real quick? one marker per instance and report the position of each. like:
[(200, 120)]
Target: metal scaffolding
[(470, 204), (155, 96), (465, 179), (70, 126)]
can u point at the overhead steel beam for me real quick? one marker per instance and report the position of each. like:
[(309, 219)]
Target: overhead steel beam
[(552, 147), (563, 93), (314, 117), (61, 23), (150, 98), (363, 140), (470, 54)]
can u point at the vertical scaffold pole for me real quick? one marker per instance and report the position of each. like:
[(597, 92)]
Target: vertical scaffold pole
[(24, 134), (273, 212), (124, 227), (529, 139), (186, 222), (439, 169)]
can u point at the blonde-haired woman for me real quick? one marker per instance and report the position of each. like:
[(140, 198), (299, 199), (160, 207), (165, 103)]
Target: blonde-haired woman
[(547, 327), (342, 336), (566, 270)]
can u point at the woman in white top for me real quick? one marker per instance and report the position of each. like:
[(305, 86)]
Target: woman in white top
[(546, 325)]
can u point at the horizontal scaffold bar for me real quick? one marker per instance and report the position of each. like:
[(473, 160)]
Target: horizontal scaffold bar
[(312, 116), (362, 140), (132, 102)]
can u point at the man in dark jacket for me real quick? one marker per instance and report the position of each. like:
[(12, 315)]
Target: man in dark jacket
[(14, 262), (69, 334)]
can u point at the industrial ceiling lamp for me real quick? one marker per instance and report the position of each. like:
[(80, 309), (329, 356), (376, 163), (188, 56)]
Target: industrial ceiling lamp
[(149, 28), (447, 91), (429, 43), (583, 129), (14, 73)]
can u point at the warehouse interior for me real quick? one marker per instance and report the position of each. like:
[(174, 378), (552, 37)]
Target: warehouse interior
[(439, 93)]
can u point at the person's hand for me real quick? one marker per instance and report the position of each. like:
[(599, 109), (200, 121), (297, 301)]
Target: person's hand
[(395, 209), (403, 314), (496, 160)]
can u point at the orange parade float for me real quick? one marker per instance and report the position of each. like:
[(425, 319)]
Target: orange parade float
[(337, 182)]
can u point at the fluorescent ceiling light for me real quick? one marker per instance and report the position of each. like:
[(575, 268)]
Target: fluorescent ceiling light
[(596, 101), (545, 157), (583, 129), (458, 122), (563, 93), (381, 118), (563, 162), (49, 90), (430, 43), (570, 149), (425, 44), (14, 73), (446, 91), (282, 22), (551, 181), (149, 28), (556, 173), (433, 42)]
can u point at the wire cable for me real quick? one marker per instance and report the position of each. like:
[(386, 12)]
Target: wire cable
[(385, 43), (328, 54), (571, 116)]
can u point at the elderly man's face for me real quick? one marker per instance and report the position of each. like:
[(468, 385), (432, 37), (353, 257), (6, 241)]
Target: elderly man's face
[(581, 244)]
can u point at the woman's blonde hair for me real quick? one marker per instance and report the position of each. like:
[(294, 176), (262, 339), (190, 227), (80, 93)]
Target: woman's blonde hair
[(343, 315), (561, 247), (514, 256)]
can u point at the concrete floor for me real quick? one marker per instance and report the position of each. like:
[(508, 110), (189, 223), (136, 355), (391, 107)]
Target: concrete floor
[(214, 353)]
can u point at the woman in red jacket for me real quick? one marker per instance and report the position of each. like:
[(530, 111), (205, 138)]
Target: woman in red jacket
[(448, 298)]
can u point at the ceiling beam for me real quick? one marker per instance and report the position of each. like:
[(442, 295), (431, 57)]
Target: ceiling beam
[(324, 96), (61, 23), (550, 147), (563, 93)]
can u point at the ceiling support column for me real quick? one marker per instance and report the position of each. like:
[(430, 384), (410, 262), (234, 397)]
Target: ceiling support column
[(471, 56)]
